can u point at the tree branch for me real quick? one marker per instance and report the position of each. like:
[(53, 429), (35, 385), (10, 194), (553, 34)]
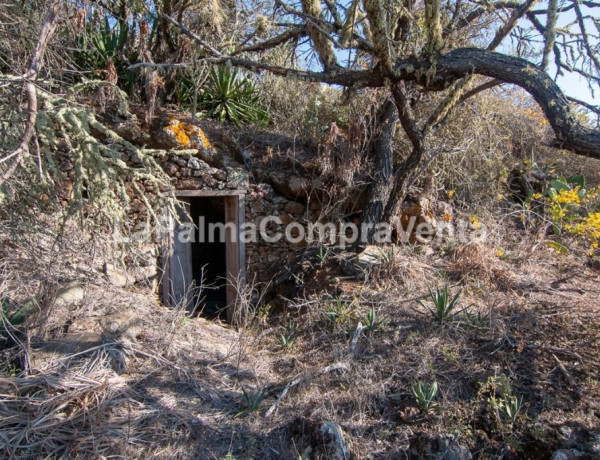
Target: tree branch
[(506, 29), (213, 51), (35, 65), (585, 39), (288, 35)]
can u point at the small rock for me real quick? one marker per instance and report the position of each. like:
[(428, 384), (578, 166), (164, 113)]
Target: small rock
[(423, 445), (286, 219), (237, 179), (293, 207), (220, 175), (194, 163), (71, 294), (334, 435), (116, 276), (171, 169), (190, 183)]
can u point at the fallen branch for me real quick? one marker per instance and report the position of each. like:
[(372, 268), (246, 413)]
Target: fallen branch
[(562, 369), (563, 351), (302, 378)]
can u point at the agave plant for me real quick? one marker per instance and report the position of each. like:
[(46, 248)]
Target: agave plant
[(424, 394), (98, 46), (444, 307), (231, 97)]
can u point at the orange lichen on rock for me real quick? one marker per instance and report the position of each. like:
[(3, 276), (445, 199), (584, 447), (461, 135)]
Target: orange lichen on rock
[(187, 135)]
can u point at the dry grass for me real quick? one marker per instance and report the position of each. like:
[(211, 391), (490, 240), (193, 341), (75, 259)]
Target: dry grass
[(153, 382)]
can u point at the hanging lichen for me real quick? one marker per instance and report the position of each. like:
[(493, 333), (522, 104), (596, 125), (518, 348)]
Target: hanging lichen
[(321, 43), (433, 24), (83, 163)]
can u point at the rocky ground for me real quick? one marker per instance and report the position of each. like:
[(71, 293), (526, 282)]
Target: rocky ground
[(329, 373)]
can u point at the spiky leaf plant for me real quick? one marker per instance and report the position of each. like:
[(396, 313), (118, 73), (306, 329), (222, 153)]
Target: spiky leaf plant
[(231, 97)]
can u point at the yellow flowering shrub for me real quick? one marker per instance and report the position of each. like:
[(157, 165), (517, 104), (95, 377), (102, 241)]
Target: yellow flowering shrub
[(587, 229), (575, 210)]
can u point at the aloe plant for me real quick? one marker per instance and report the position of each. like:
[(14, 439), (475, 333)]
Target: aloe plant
[(251, 401)]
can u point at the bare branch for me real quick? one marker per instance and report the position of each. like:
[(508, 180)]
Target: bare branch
[(207, 46), (406, 115), (507, 28), (478, 89), (590, 107), (585, 39), (288, 35), (35, 65)]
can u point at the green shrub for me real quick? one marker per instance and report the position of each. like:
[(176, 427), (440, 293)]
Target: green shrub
[(251, 401)]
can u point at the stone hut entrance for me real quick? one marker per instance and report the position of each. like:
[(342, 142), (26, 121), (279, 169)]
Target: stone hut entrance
[(206, 261)]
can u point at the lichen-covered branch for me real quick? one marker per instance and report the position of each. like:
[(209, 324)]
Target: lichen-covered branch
[(433, 24), (549, 33), (378, 25)]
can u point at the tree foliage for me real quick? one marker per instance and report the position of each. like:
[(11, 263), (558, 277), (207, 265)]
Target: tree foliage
[(424, 59)]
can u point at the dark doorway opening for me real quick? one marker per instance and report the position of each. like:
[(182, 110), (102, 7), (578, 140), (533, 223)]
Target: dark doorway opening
[(209, 255), (204, 268)]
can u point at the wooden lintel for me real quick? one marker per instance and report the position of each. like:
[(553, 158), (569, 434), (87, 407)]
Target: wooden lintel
[(192, 193)]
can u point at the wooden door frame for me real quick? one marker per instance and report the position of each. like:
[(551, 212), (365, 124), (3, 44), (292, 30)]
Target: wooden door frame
[(235, 251)]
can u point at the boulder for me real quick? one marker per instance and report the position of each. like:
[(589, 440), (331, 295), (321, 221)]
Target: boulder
[(362, 264), (237, 179)]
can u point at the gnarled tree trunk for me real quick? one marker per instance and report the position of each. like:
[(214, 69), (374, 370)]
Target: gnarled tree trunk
[(378, 193)]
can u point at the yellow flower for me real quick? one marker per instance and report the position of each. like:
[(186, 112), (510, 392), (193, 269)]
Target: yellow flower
[(536, 196), (451, 193), (475, 222), (568, 196), (500, 197), (587, 229)]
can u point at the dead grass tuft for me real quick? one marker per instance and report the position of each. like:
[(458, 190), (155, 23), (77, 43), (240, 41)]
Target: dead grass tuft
[(479, 261)]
